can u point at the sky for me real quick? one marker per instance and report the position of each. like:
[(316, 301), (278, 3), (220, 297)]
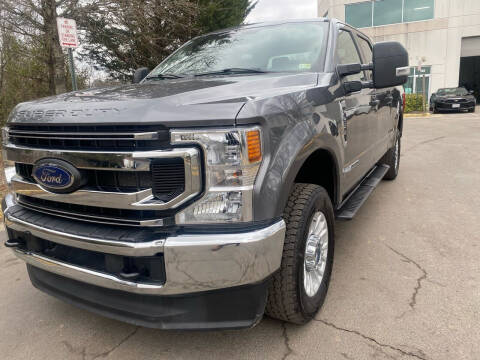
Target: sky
[(268, 10)]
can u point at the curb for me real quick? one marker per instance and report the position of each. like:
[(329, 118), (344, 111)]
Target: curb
[(417, 115)]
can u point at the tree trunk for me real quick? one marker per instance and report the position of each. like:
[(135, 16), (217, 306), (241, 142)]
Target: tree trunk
[(56, 59)]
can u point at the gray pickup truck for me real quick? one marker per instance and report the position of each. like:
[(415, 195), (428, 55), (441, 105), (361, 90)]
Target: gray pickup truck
[(205, 194)]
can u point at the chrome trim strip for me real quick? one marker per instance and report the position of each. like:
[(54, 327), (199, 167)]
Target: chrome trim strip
[(141, 200), (98, 160), (153, 135), (94, 219), (193, 263), (88, 243), (85, 275)]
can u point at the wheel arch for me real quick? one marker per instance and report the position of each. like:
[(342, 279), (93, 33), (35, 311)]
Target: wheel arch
[(306, 168)]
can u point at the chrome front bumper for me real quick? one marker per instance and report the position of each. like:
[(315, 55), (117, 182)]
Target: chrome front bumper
[(193, 263)]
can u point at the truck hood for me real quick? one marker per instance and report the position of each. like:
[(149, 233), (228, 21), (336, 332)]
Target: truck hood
[(180, 102)]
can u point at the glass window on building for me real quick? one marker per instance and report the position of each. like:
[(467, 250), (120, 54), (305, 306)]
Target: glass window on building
[(359, 15), (414, 84), (387, 12), (416, 10)]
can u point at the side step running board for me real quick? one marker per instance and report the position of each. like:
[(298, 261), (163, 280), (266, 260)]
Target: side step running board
[(355, 200)]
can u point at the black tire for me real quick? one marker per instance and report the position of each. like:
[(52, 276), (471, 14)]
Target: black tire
[(392, 159), (435, 111), (471, 110), (287, 297)]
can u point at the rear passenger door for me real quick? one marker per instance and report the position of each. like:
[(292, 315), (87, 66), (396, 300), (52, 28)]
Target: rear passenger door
[(360, 117)]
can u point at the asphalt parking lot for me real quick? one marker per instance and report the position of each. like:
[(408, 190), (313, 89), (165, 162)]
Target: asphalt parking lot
[(405, 285)]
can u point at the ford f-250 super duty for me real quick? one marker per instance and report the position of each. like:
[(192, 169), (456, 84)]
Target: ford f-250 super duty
[(204, 195)]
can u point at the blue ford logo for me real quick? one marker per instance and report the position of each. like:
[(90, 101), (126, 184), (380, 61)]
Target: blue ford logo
[(57, 175), (52, 176)]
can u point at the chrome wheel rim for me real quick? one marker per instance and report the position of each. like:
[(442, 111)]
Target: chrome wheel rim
[(316, 251), (397, 151)]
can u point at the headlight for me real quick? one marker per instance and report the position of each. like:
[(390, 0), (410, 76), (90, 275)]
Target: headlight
[(232, 159)]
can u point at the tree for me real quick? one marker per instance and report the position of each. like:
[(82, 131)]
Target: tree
[(21, 73), (25, 66), (123, 35), (220, 14), (34, 21)]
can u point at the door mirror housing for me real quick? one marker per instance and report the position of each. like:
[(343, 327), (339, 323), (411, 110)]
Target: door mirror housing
[(390, 64), (140, 74)]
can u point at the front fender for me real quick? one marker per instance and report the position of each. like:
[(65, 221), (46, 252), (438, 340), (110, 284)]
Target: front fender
[(294, 126)]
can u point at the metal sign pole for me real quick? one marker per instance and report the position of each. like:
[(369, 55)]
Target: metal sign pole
[(424, 94), (67, 35), (72, 69)]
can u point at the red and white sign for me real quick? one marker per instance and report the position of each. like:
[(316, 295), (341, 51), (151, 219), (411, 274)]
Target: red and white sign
[(67, 32)]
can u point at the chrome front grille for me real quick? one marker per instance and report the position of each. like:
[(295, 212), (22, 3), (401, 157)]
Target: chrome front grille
[(135, 187), (102, 137), (166, 178)]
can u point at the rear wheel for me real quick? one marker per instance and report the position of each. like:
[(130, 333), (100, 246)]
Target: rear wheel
[(299, 288), (392, 159)]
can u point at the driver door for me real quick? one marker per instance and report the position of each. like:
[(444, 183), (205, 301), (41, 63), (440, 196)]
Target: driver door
[(360, 116)]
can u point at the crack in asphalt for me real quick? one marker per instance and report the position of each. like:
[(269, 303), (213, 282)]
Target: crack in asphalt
[(372, 340), (108, 352), (423, 143), (377, 350), (286, 340), (82, 351), (345, 356), (418, 286)]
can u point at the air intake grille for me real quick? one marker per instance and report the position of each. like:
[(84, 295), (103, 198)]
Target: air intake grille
[(168, 176)]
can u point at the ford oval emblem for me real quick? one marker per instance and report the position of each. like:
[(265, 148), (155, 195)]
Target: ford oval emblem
[(57, 175)]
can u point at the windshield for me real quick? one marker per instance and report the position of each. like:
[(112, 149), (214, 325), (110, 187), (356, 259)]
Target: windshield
[(294, 47), (460, 91)]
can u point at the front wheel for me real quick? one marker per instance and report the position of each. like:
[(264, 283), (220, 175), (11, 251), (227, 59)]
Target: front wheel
[(299, 288)]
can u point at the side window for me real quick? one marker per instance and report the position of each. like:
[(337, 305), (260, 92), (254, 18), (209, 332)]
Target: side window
[(367, 52), (347, 53)]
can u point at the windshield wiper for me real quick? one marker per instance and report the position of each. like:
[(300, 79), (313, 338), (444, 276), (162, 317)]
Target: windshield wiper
[(229, 71), (163, 76)]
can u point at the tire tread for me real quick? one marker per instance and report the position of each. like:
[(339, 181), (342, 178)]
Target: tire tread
[(283, 299)]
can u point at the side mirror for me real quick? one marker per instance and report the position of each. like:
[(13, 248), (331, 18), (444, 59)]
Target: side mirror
[(140, 74), (390, 64)]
